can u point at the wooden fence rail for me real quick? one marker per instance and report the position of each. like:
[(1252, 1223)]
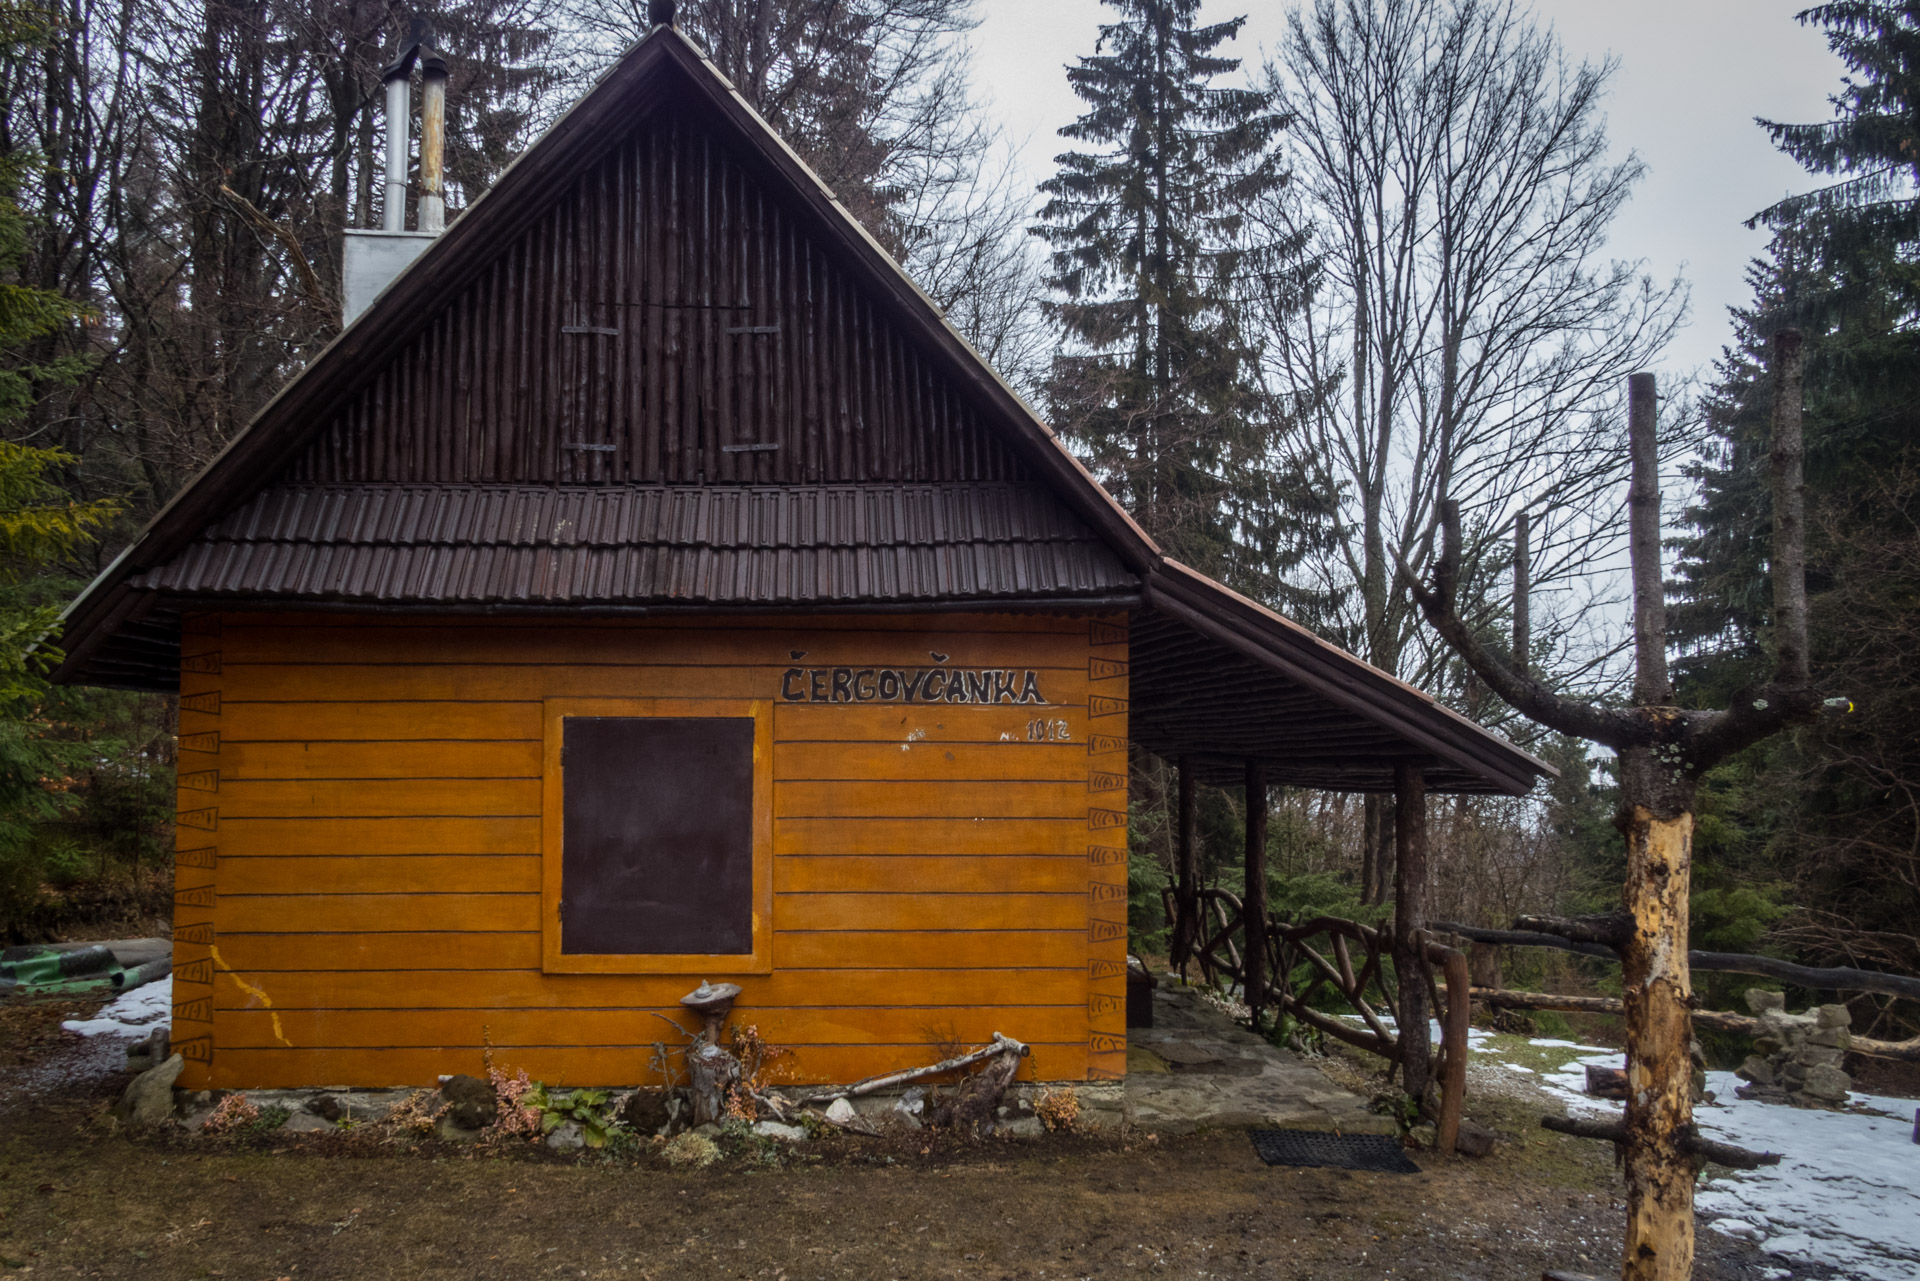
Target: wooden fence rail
[(1353, 960)]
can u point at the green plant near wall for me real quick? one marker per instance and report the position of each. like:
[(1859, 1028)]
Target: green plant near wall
[(585, 1108)]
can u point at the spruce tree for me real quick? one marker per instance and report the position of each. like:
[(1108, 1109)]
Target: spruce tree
[(1873, 207), (1157, 385)]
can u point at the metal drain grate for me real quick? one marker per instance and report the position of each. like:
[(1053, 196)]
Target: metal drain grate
[(1379, 1152)]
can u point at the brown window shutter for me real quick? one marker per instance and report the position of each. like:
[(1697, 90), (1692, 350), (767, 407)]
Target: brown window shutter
[(658, 838)]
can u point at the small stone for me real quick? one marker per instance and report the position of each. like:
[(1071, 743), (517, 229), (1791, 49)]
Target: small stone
[(452, 1132), (1837, 1037), (567, 1138), (1759, 1000), (1024, 1127), (1789, 1029), (707, 1131), (329, 1107), (149, 1100), (1474, 1140), (1756, 1070), (1765, 1045), (840, 1112), (1818, 1056), (1833, 1016), (474, 1103), (780, 1130), (1828, 1084), (306, 1123)]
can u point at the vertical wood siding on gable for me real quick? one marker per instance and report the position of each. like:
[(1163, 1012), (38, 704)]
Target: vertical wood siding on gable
[(667, 307), (941, 872)]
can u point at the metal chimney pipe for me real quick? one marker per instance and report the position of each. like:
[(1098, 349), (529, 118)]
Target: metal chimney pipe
[(433, 144), (393, 216)]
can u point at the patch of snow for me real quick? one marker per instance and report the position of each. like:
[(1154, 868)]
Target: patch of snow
[(131, 1014), (1846, 1193), (1518, 1067)]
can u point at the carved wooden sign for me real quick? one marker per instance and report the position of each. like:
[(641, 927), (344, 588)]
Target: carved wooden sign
[(977, 686)]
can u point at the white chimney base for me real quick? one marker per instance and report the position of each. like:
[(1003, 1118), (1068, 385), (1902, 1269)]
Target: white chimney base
[(370, 261)]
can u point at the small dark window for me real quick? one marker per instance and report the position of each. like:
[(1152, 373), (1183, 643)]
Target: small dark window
[(658, 838)]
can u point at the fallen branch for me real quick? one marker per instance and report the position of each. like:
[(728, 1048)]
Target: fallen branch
[(1001, 1045), (1734, 1158), (1718, 1020)]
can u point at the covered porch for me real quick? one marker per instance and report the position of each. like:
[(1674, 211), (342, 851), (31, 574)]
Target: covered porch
[(1232, 693)]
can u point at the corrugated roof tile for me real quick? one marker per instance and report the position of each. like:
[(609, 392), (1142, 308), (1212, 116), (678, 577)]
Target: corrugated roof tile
[(419, 544)]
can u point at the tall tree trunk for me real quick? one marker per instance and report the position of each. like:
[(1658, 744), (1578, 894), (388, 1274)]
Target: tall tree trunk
[(1658, 991), (1656, 816)]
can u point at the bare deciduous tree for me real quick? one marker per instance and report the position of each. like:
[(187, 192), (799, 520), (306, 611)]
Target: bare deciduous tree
[(1463, 330)]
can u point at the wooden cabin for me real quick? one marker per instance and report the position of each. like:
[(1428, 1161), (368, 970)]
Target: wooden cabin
[(649, 587)]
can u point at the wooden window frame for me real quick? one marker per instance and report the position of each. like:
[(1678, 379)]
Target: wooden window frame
[(552, 840)]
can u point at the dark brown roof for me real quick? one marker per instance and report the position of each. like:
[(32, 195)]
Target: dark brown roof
[(719, 545), (960, 495)]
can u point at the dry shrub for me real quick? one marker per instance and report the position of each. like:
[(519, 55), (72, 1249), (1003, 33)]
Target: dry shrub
[(418, 1113), (234, 1113), (696, 1150), (514, 1118), (1058, 1109), (756, 1057)]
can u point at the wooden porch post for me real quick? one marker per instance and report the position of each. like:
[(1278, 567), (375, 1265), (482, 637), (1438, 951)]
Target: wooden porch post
[(1253, 914), (1186, 890), (1409, 915)]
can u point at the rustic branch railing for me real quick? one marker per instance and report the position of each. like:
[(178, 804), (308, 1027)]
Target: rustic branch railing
[(1837, 979), (1298, 970)]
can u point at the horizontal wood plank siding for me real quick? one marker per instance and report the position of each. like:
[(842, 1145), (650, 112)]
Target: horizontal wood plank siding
[(360, 875)]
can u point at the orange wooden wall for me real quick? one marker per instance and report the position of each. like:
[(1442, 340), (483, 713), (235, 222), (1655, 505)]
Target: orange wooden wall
[(359, 848)]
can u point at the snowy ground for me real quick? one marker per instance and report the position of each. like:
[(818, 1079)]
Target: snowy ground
[(131, 1015), (1845, 1196)]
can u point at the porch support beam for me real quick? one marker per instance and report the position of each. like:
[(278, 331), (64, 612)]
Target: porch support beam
[(1409, 917), (1254, 902), (1186, 892)]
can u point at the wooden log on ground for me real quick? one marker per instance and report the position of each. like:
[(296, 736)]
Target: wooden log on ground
[(1606, 1083), (1001, 1045), (1690, 1141)]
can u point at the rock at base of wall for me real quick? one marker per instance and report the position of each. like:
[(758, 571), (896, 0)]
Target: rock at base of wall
[(149, 1099), (472, 1104)]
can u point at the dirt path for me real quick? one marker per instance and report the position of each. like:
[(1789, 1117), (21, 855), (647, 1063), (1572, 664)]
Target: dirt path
[(79, 1200)]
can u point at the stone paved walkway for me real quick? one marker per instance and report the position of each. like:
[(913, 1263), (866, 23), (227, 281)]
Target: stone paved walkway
[(1196, 1068)]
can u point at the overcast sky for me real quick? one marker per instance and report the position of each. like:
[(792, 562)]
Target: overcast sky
[(1693, 75)]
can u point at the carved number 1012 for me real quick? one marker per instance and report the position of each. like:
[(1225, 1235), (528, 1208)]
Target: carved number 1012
[(1048, 732)]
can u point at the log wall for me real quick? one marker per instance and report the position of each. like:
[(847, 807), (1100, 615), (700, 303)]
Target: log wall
[(360, 844)]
